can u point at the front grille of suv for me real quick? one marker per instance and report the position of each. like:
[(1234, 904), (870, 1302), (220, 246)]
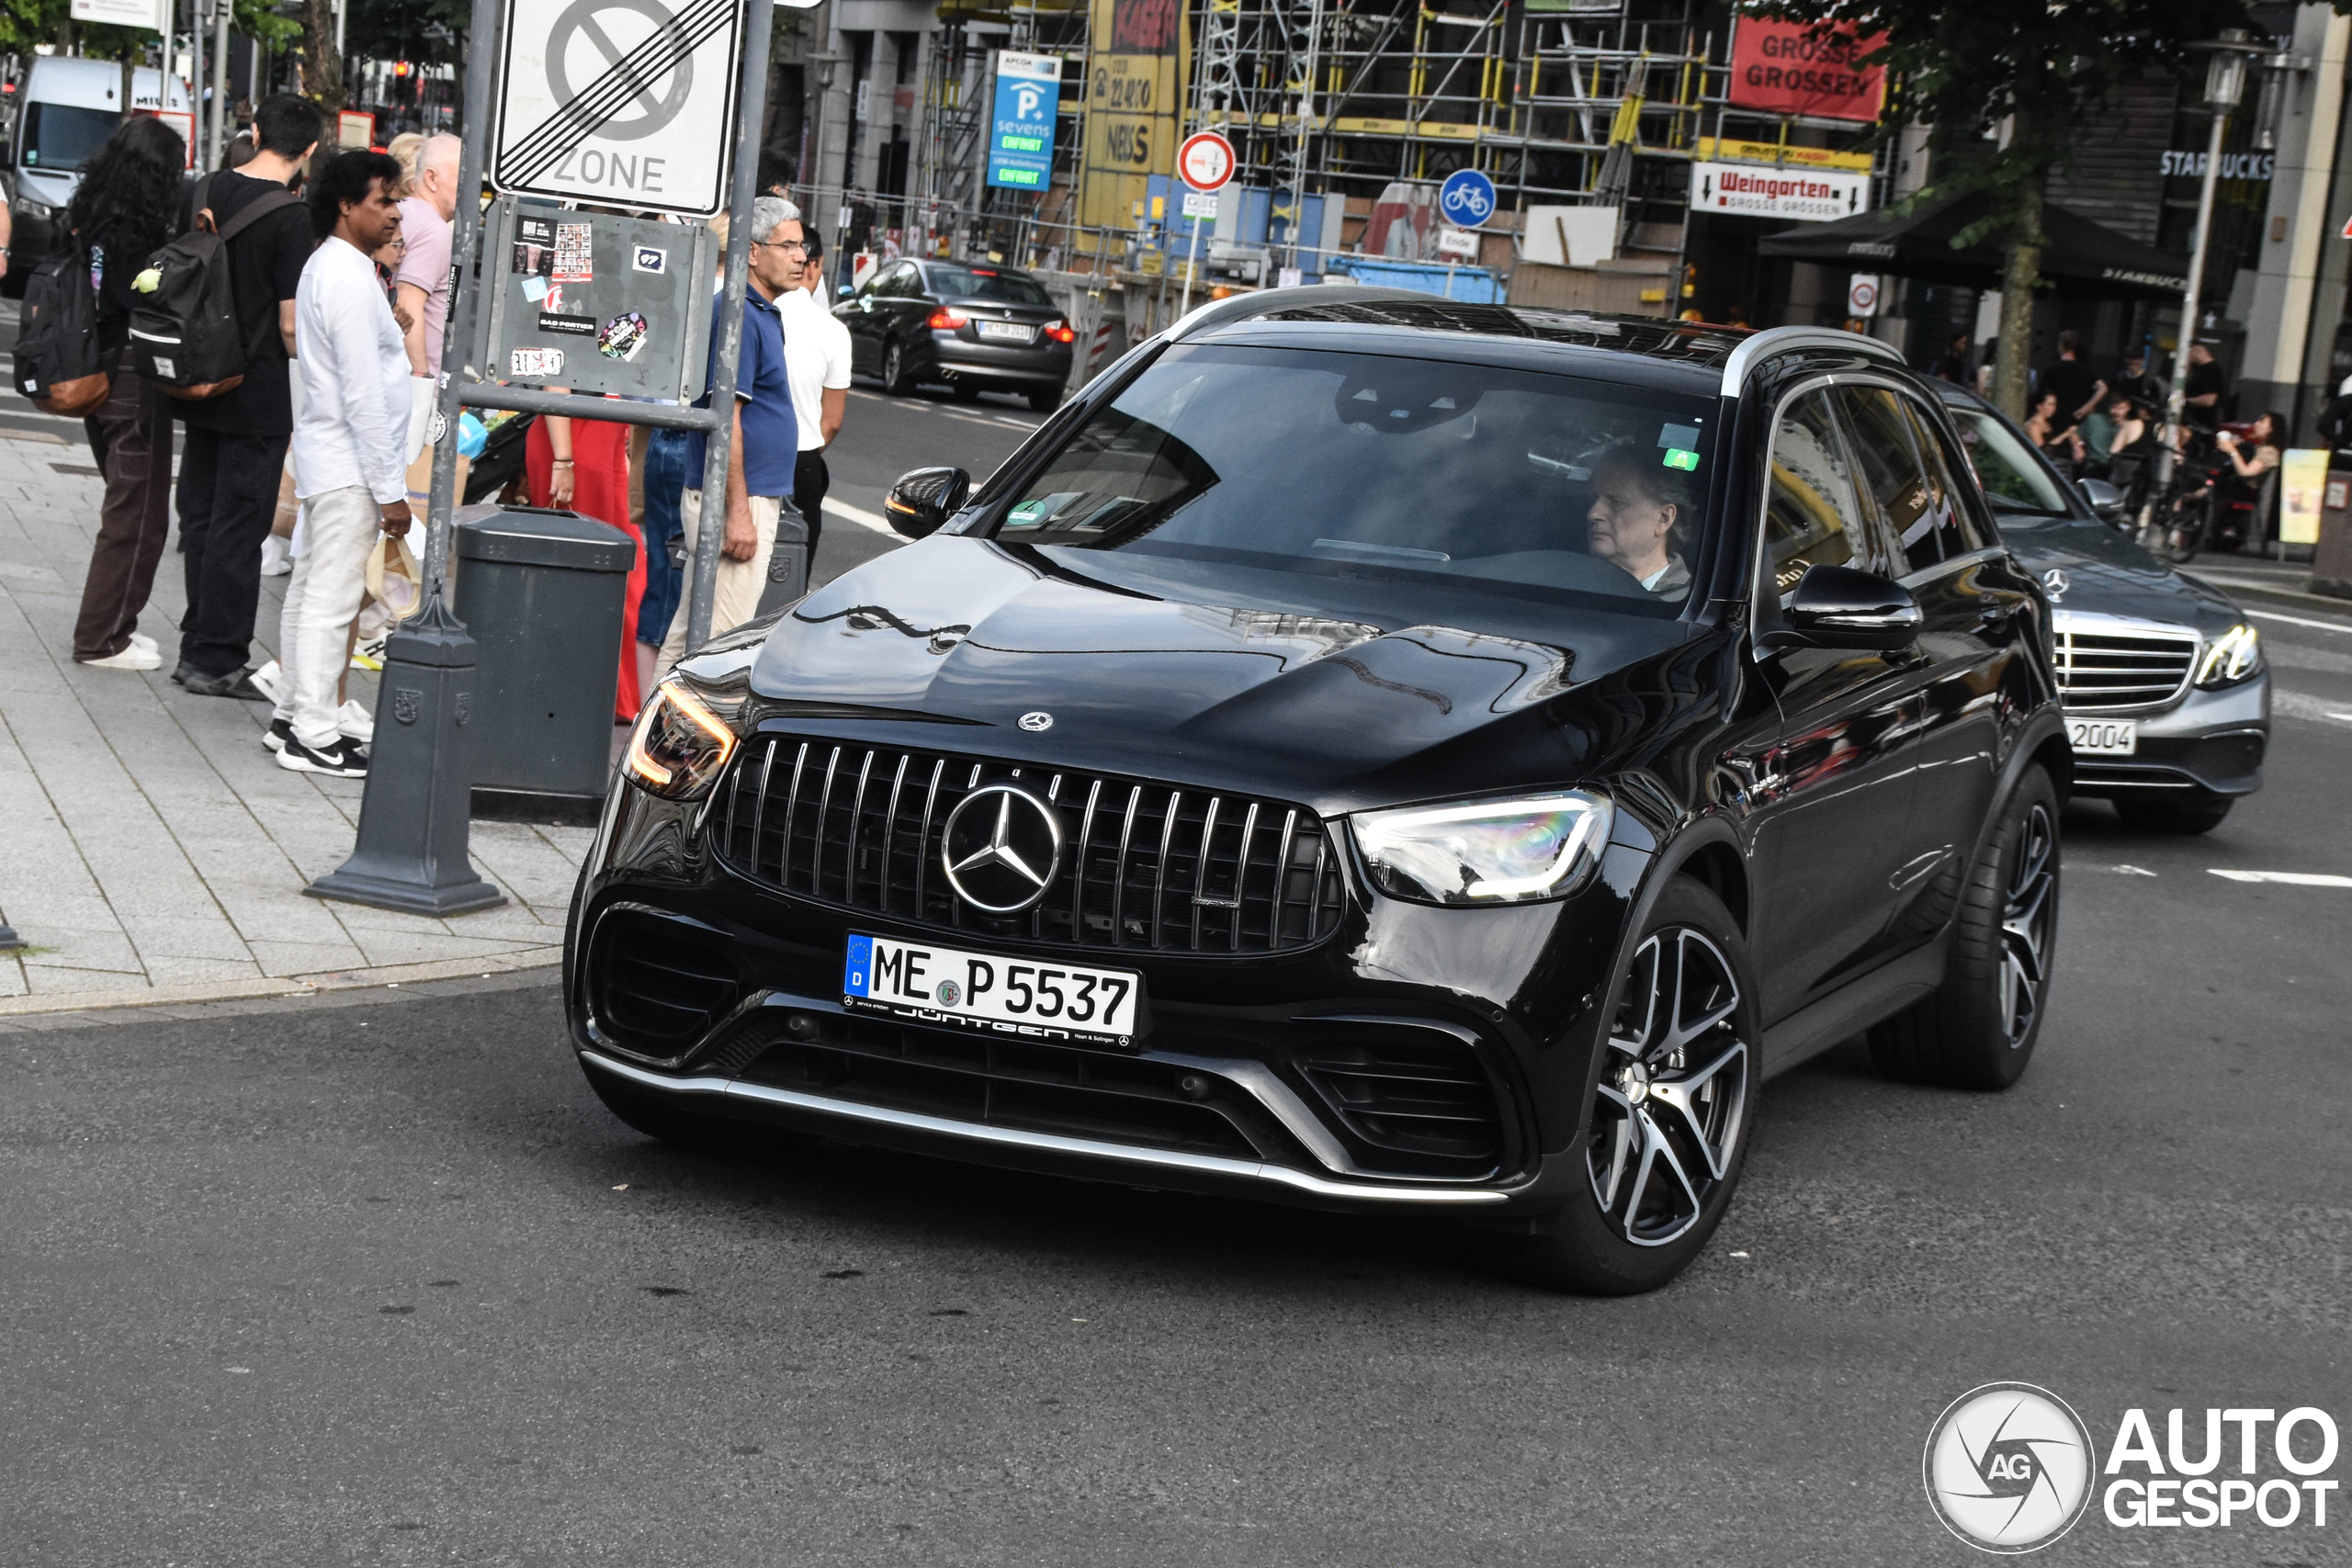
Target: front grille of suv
[(2114, 665), (1146, 866)]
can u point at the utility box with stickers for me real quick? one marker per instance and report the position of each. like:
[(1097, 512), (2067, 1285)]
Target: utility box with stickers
[(595, 302)]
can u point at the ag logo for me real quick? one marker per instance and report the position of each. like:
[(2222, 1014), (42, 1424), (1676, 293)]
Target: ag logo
[(2009, 1467)]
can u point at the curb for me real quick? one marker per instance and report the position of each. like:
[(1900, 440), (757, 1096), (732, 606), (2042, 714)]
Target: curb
[(291, 986), (2262, 593)]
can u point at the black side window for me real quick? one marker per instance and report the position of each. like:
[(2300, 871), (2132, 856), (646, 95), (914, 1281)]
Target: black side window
[(1812, 516), (1915, 503), (1947, 475)]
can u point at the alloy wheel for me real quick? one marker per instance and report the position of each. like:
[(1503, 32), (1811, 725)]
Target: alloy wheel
[(2027, 912), (1672, 1100)]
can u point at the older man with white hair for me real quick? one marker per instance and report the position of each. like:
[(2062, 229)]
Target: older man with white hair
[(764, 445), (422, 290)]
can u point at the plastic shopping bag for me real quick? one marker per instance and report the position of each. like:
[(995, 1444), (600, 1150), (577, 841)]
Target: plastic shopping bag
[(393, 579)]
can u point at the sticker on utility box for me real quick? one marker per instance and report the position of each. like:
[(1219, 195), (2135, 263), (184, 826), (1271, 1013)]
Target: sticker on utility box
[(651, 258), (536, 362), (622, 337)]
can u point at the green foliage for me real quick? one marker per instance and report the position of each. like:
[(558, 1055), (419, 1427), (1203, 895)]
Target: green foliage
[(2046, 67)]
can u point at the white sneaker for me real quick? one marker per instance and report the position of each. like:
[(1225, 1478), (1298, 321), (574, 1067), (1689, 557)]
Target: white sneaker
[(356, 723), (265, 679), (276, 557), (131, 658), (140, 639)]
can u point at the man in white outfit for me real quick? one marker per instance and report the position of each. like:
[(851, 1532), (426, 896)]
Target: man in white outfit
[(350, 452)]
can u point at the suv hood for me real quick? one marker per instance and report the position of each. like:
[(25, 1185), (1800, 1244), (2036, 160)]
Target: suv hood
[(2108, 574), (1354, 700)]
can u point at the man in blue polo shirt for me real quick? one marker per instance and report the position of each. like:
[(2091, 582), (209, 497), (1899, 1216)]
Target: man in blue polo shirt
[(766, 444)]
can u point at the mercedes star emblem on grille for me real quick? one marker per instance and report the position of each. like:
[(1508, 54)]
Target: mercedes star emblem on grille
[(1001, 848), (1034, 722), (2053, 582)]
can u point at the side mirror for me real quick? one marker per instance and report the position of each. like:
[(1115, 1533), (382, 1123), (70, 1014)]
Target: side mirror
[(847, 289), (1835, 606), (2104, 500), (926, 498)]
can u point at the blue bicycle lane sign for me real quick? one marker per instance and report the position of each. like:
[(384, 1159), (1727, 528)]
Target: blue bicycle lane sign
[(1466, 198)]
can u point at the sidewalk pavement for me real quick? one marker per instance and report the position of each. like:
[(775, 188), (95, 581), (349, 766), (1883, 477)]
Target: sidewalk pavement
[(2265, 579), (150, 850)]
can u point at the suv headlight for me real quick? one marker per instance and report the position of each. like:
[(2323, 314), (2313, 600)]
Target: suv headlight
[(1489, 851), (679, 745), (2234, 656), (32, 209)]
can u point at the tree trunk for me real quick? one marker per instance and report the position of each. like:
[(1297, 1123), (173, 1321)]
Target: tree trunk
[(323, 67), (2021, 269)]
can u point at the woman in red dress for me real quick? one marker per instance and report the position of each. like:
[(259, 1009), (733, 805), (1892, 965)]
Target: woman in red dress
[(581, 465)]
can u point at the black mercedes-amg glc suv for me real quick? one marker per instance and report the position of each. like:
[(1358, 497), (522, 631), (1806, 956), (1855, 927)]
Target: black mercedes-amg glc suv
[(1369, 752)]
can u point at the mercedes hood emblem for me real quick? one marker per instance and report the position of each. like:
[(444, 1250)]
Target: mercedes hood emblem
[(1000, 849)]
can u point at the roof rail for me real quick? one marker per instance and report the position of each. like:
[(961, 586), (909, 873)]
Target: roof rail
[(1238, 306), (1779, 340)]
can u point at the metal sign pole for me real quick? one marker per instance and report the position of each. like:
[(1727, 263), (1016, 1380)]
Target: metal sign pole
[(711, 530)]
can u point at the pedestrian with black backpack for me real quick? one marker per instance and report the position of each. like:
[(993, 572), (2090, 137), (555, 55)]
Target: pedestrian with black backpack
[(227, 372), (123, 212)]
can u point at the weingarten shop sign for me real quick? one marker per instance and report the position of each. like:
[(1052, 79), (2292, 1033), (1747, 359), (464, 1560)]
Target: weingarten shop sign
[(1783, 192)]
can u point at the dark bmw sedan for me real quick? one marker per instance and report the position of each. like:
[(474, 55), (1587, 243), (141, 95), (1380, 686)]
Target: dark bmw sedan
[(977, 328), (2167, 697), (1364, 752)]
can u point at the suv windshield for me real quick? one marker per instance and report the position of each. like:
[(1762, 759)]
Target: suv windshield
[(1403, 469), (979, 283), (58, 138), (2014, 482)]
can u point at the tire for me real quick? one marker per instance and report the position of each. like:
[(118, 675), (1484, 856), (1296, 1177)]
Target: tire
[(1636, 1219), (2200, 814), (1979, 1028), (657, 1116), (894, 378), (1045, 399)]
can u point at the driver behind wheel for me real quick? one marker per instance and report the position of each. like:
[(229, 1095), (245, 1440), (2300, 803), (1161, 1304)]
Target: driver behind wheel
[(1640, 513)]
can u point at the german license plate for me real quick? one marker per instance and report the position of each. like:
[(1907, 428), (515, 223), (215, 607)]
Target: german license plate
[(991, 993), (2103, 737), (1006, 331)]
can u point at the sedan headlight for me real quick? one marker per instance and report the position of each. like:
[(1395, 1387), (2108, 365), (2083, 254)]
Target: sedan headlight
[(2234, 656), (679, 745), (1494, 852)]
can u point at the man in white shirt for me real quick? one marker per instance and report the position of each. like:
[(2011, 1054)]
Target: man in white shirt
[(350, 452), (816, 358)]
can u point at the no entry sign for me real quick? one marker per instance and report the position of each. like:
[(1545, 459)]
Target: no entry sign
[(629, 102), (1205, 160)]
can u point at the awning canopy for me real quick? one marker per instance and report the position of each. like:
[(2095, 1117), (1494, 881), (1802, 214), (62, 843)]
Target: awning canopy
[(2079, 256)]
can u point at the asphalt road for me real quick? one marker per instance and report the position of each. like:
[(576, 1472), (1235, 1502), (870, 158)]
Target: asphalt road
[(379, 1282)]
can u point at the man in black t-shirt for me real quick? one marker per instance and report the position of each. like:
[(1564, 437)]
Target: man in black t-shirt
[(236, 442), (2079, 388), (2206, 389)]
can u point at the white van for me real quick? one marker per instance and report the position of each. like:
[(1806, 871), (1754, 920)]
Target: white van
[(65, 109)]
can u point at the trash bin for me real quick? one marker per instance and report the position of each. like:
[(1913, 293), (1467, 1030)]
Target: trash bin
[(541, 592)]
